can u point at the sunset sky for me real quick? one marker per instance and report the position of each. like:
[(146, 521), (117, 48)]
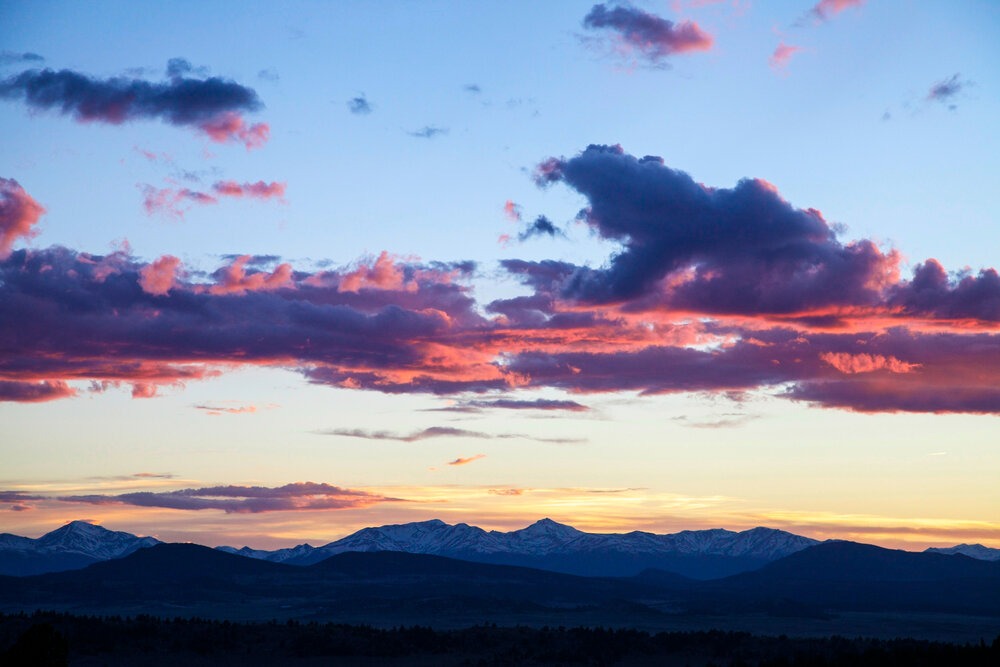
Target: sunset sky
[(273, 272)]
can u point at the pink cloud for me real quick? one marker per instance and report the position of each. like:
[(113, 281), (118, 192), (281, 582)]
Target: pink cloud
[(19, 212), (258, 190), (824, 9), (234, 279), (144, 390), (230, 127), (172, 201), (34, 392), (160, 276), (654, 38), (465, 461), (782, 55), (512, 211), (771, 301), (176, 201), (382, 274), (850, 364)]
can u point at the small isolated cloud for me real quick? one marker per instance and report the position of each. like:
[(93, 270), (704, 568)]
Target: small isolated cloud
[(213, 106), (19, 213), (258, 190), (465, 461), (359, 105), (506, 492), (541, 226), (15, 57), (782, 56), (512, 211), (154, 475), (730, 420), (826, 9), (269, 74), (946, 90), (651, 37), (428, 132), (235, 499)]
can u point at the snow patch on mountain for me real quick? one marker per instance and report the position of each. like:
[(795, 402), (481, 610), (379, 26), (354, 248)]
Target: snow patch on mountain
[(977, 551)]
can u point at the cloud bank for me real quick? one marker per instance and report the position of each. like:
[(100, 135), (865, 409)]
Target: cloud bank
[(704, 289)]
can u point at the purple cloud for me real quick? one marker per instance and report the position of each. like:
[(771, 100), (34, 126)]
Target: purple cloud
[(654, 38), (212, 105), (235, 499)]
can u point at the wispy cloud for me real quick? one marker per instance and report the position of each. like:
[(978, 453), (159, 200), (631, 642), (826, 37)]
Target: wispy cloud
[(465, 461), (429, 132), (825, 9), (19, 57), (545, 404), (948, 90), (439, 432), (176, 201), (215, 410)]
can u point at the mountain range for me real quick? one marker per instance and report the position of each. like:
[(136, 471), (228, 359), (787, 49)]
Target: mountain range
[(545, 545), (388, 588)]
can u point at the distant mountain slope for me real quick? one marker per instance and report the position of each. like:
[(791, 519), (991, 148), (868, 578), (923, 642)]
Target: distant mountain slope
[(977, 551), (73, 546), (388, 587), (549, 545), (862, 577), (174, 577)]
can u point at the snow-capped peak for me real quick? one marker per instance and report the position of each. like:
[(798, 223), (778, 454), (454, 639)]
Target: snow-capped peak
[(91, 540)]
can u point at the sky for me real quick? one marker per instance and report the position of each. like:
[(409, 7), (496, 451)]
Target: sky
[(274, 272)]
